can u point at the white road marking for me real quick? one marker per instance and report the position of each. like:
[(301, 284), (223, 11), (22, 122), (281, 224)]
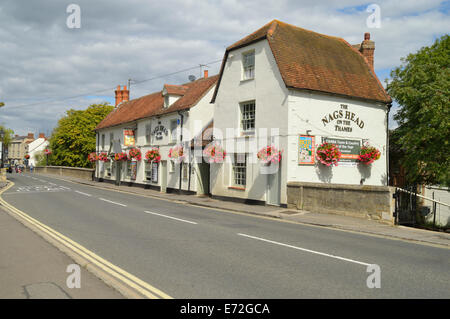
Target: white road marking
[(53, 184), (179, 219), (83, 193), (64, 187), (106, 200), (307, 250)]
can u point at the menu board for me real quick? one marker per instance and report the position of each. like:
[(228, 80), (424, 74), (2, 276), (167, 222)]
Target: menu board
[(306, 151), (133, 170), (154, 172)]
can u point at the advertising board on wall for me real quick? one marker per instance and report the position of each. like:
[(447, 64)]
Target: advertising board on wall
[(349, 149), (306, 150), (128, 138)]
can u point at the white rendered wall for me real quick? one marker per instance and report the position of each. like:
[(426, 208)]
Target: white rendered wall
[(306, 111), (270, 95)]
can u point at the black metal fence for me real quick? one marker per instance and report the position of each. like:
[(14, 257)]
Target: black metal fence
[(415, 210), (406, 206)]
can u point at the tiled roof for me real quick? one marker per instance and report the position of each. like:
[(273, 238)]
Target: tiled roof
[(313, 61), (153, 104), (176, 89)]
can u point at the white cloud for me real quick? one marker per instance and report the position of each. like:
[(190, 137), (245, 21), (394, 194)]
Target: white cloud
[(41, 59)]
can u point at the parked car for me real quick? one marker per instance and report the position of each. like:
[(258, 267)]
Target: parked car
[(8, 168)]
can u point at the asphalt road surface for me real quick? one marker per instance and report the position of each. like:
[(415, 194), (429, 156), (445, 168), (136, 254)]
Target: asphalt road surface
[(193, 252)]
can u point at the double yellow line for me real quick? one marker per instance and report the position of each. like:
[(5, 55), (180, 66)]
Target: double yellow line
[(125, 278)]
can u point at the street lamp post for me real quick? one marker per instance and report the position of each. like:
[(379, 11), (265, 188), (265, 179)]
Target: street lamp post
[(2, 134)]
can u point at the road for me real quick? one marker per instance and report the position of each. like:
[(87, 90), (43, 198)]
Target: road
[(193, 252)]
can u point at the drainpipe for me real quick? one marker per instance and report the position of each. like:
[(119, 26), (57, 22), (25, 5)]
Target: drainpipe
[(181, 139)]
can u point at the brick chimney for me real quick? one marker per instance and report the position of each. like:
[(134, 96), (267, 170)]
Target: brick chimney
[(41, 135), (205, 74), (31, 136), (122, 95), (367, 48)]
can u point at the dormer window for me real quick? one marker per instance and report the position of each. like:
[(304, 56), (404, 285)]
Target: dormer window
[(172, 93), (248, 63)]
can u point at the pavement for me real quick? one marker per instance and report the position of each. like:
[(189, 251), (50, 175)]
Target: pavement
[(304, 217), (32, 268)]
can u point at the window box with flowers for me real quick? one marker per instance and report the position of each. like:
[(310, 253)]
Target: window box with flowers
[(269, 154), (176, 153), (215, 153), (328, 154), (27, 156), (368, 154)]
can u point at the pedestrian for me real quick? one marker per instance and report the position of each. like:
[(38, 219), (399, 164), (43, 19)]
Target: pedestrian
[(31, 168)]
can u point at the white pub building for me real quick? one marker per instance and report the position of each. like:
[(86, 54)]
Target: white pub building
[(296, 89), (281, 88)]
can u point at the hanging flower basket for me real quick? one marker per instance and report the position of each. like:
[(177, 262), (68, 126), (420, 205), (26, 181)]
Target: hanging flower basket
[(176, 153), (122, 156), (368, 154), (269, 154), (153, 155), (135, 153), (47, 151), (27, 156), (92, 157), (328, 154), (103, 157), (215, 153)]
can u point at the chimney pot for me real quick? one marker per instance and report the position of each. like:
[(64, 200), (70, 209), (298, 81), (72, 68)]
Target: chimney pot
[(205, 74), (367, 36)]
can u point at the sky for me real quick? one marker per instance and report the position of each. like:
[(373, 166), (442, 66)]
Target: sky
[(48, 66)]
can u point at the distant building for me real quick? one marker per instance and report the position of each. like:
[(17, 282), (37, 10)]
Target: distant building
[(18, 148), (36, 147)]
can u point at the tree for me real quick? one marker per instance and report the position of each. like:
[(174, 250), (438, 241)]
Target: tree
[(74, 137), (8, 135), (421, 85)]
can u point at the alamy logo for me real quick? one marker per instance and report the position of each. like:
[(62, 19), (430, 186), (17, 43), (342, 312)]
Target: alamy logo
[(74, 279), (74, 19), (374, 279), (374, 20)]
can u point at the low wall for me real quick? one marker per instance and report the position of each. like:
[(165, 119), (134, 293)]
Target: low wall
[(369, 202), (83, 173)]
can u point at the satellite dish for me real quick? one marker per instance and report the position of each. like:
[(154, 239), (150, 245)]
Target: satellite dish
[(191, 78)]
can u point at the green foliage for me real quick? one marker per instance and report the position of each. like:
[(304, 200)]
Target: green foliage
[(421, 86), (74, 137), (8, 135)]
